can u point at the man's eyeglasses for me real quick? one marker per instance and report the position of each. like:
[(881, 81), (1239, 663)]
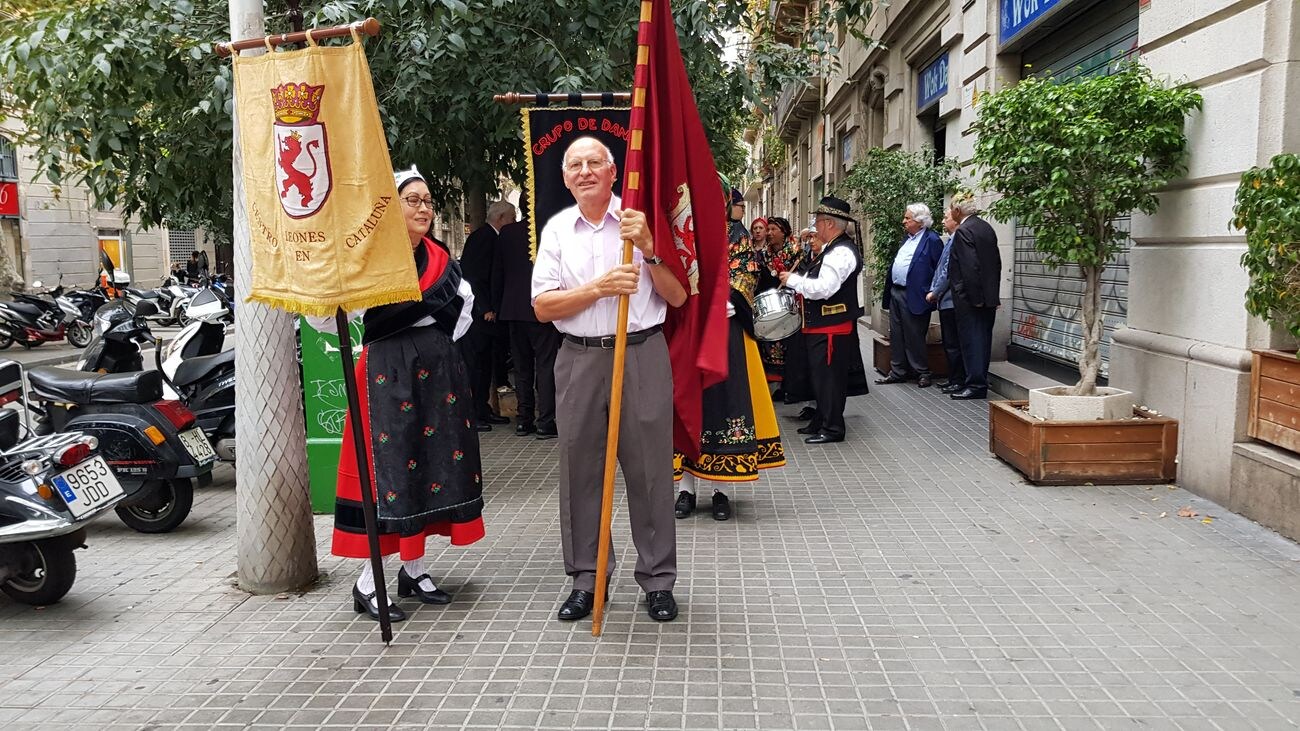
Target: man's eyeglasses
[(414, 201), (595, 166)]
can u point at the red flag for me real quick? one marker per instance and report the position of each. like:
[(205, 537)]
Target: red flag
[(673, 179)]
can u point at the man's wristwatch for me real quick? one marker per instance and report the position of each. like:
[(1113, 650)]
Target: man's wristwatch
[(654, 261)]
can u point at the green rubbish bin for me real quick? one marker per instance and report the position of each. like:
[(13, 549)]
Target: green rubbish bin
[(326, 404)]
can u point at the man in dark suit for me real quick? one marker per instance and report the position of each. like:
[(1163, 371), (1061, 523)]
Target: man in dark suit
[(533, 344), (476, 346), (975, 275), (909, 310)]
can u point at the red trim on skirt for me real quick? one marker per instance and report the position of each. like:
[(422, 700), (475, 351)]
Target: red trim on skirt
[(354, 545)]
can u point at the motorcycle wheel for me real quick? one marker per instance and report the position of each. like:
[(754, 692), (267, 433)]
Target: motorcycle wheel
[(165, 506), (6, 340), (54, 568), (79, 335)]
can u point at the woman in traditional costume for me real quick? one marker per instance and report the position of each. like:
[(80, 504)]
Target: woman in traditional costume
[(417, 421), (740, 435)]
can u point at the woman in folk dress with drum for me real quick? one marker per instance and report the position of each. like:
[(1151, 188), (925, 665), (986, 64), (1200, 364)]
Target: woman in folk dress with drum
[(740, 435)]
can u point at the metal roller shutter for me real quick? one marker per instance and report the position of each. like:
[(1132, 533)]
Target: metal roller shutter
[(1045, 301)]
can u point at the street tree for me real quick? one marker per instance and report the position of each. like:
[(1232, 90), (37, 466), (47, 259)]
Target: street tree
[(1070, 158), (128, 98)]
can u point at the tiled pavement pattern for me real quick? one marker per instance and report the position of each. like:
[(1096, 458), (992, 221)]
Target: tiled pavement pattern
[(903, 579)]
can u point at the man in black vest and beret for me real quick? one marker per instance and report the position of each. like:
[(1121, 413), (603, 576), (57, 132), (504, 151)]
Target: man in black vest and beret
[(832, 304)]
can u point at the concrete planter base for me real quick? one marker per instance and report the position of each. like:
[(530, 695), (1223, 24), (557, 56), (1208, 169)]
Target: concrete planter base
[(1053, 404)]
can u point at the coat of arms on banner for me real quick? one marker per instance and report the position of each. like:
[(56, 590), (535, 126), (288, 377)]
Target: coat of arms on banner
[(684, 236), (302, 165)]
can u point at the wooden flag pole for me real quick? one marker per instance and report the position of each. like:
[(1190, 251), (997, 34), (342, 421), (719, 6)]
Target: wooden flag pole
[(368, 498), (631, 200)]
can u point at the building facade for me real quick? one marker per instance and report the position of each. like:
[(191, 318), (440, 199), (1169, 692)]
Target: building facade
[(53, 232), (1176, 331)]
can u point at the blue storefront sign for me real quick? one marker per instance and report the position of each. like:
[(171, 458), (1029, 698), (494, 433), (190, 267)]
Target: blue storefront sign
[(932, 82), (1018, 15)]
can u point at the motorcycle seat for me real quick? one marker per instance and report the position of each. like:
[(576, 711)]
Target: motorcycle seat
[(78, 387), (193, 370), (23, 308), (148, 294)]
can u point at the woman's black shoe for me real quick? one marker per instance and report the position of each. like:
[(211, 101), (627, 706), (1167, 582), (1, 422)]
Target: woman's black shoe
[(406, 586), (364, 604)]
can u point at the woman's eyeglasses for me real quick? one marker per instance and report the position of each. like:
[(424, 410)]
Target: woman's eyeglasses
[(414, 201)]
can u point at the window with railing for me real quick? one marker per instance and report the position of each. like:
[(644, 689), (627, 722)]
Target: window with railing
[(8, 160)]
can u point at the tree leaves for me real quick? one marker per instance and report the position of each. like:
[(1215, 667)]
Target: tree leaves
[(1068, 158), (132, 103), (884, 182), (1268, 207)]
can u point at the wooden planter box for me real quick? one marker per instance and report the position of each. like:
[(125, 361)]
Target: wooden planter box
[(1275, 399), (933, 352), (1136, 452)]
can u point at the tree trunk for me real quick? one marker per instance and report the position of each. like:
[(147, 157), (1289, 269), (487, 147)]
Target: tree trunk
[(276, 539), (1090, 361), (475, 204)]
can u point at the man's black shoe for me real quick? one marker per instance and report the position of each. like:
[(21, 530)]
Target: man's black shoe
[(494, 419), (721, 507), (823, 439), (807, 413), (577, 606), (662, 605), (954, 388), (544, 434), (891, 378), (923, 382), (484, 427), (968, 394), (524, 430), (685, 504), (808, 429)]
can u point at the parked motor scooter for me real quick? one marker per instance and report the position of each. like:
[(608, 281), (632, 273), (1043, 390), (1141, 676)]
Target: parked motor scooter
[(30, 321), (152, 444), (201, 374), (50, 487)]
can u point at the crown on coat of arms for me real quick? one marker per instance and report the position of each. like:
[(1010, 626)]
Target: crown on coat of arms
[(295, 103)]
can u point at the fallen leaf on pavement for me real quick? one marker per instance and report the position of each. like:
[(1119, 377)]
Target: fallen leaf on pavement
[(1207, 520), (1187, 512), (1164, 515)]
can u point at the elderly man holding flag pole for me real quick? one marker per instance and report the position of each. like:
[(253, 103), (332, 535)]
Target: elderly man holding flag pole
[(673, 254)]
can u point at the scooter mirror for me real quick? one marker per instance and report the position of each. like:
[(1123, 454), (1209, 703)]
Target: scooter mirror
[(145, 308)]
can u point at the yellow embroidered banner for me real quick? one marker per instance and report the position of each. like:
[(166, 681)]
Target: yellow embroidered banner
[(327, 227)]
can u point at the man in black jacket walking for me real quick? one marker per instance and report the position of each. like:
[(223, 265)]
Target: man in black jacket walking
[(476, 346), (975, 275)]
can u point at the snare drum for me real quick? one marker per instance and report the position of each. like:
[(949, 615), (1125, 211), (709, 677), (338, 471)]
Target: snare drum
[(776, 315)]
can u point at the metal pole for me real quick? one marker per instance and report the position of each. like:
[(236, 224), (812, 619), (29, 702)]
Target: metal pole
[(276, 541)]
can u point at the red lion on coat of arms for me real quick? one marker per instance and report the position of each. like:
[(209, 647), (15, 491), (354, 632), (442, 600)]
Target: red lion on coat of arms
[(291, 148), (301, 149)]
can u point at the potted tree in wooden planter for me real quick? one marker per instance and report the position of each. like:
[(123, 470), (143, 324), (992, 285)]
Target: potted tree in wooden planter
[(1069, 158), (882, 183), (1268, 208)]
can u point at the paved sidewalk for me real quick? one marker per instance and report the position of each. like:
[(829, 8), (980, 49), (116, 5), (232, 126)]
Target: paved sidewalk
[(904, 579)]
